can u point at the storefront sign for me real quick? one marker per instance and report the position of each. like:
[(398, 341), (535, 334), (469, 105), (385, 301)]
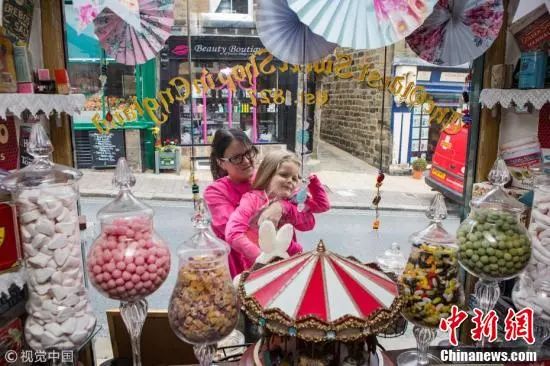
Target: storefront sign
[(453, 77), (244, 77), (9, 150), (214, 48), (17, 18)]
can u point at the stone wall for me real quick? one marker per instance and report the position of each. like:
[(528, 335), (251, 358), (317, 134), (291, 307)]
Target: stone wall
[(351, 119)]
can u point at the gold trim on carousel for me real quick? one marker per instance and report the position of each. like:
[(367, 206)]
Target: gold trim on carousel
[(376, 322)]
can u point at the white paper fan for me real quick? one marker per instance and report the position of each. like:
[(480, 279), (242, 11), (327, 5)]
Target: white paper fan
[(362, 24), (286, 37)]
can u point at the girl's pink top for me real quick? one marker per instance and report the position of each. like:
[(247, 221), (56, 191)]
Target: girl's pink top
[(241, 232), (222, 198)]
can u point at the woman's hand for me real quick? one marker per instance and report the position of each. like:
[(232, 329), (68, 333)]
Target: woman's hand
[(273, 213)]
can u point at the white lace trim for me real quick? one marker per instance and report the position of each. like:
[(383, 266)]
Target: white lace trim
[(17, 103), (536, 97)]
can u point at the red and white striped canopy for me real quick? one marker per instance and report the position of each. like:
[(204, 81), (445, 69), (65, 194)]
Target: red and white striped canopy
[(320, 284)]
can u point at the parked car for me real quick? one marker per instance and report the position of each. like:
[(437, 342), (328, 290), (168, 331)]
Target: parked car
[(449, 161)]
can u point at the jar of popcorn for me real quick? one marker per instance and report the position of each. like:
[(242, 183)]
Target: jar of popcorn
[(203, 306), (128, 261), (60, 315)]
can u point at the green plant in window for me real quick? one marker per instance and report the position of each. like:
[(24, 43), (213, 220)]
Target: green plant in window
[(419, 164)]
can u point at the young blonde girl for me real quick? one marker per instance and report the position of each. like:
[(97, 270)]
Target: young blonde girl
[(275, 183)]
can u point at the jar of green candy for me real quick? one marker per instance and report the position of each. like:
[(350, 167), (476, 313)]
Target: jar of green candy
[(429, 283), (493, 244)]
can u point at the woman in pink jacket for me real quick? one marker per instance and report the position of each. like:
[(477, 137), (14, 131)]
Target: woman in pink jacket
[(232, 162), (276, 181)]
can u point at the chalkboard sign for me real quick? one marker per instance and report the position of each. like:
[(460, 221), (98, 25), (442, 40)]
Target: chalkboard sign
[(106, 149)]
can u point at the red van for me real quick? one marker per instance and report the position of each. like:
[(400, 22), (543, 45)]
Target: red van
[(449, 162)]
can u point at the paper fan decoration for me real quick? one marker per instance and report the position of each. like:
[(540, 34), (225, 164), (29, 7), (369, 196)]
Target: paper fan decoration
[(286, 37), (362, 24), (457, 31), (129, 45), (320, 296)]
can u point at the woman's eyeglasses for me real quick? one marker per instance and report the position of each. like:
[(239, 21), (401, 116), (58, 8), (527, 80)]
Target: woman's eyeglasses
[(239, 159)]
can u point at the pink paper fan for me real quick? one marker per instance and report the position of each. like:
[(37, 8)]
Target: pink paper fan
[(128, 45)]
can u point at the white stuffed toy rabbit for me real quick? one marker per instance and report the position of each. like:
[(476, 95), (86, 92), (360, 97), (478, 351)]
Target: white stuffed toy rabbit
[(273, 243)]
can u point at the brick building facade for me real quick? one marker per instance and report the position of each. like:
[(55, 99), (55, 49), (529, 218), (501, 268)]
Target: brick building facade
[(352, 117)]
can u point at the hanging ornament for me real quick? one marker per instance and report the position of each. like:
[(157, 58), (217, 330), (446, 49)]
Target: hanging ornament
[(377, 198)]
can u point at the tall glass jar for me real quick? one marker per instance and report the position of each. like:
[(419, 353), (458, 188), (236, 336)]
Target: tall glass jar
[(203, 307), (493, 244), (46, 194), (533, 286), (128, 261), (539, 228), (429, 283)]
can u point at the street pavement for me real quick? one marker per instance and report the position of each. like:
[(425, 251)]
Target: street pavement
[(350, 183), (346, 231)]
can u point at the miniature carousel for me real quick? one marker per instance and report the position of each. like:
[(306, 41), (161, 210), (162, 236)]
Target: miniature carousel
[(318, 308)]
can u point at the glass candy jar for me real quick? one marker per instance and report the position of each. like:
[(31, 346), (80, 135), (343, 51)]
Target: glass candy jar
[(493, 244), (534, 293), (532, 289), (429, 283), (203, 307), (46, 194), (128, 261), (539, 228)]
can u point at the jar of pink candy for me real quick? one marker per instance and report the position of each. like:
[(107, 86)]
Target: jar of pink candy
[(128, 261), (60, 315)]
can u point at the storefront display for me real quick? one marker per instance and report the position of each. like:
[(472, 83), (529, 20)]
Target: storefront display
[(250, 106), (128, 261), (60, 315), (203, 307)]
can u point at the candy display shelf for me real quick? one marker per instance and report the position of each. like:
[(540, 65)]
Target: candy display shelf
[(16, 103), (509, 97)]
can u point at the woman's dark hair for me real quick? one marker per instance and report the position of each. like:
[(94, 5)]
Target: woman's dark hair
[(222, 139)]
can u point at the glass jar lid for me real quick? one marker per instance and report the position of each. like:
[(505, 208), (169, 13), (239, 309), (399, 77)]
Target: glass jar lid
[(42, 171), (203, 242), (434, 233), (497, 198), (125, 204)]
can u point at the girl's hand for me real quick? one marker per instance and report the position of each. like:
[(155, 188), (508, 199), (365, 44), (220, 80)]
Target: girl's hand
[(273, 213)]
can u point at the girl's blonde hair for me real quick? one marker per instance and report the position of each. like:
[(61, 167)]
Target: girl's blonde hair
[(269, 166)]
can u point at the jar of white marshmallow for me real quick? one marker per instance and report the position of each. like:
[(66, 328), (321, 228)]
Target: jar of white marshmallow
[(59, 312)]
